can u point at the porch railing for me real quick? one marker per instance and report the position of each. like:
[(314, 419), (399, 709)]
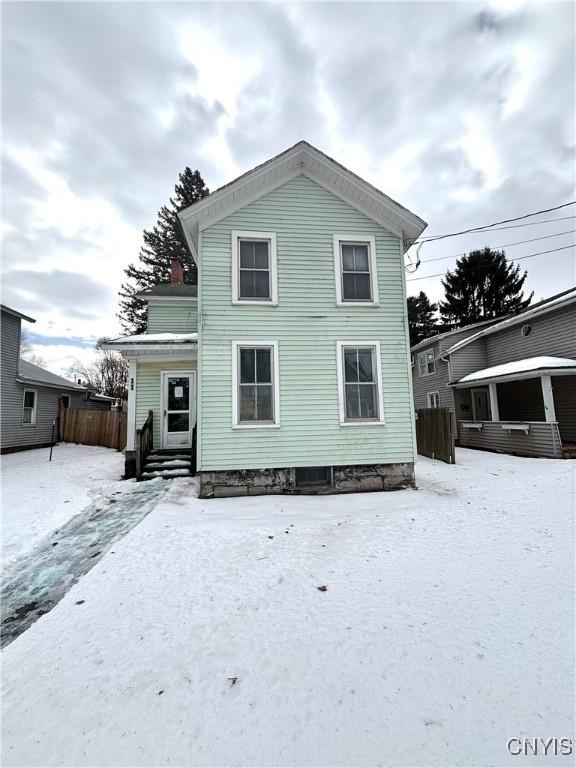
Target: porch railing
[(144, 443)]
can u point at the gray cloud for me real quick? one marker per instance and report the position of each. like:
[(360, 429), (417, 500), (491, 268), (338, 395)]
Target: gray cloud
[(105, 95)]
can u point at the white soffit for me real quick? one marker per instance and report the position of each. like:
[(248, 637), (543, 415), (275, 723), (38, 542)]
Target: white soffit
[(300, 160)]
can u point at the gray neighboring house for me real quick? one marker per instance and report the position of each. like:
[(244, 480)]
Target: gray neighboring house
[(31, 396), (510, 383)]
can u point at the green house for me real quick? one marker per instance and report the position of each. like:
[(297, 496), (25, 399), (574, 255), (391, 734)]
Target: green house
[(287, 369)]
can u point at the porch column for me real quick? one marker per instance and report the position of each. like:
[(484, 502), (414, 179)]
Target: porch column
[(131, 420), (494, 402), (548, 396)]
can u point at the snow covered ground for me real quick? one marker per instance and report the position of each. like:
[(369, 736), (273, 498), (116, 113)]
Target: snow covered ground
[(38, 496), (409, 628)]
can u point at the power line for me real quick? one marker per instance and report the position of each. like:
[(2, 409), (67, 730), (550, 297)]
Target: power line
[(529, 256), (431, 238), (505, 245)]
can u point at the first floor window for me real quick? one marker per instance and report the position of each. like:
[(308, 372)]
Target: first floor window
[(256, 395), (433, 400), (360, 377), (426, 363), (29, 407)]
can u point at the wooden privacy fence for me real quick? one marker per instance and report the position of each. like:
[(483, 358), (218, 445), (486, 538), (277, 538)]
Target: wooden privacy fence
[(435, 434), (106, 428)]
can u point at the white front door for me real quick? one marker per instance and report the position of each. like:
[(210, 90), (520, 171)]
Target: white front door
[(178, 408)]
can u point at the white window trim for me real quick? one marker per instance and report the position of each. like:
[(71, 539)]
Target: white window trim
[(251, 235), (429, 398), (341, 393), (275, 385), (32, 423), (421, 355), (370, 240)]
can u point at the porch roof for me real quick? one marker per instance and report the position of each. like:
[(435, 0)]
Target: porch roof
[(153, 341), (520, 369)]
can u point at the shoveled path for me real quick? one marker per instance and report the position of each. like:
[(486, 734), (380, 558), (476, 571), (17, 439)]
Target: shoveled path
[(34, 584)]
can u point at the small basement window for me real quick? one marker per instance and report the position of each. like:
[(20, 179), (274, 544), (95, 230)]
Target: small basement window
[(313, 476)]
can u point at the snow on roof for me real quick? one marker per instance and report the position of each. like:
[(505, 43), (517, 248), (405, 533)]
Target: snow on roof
[(528, 365), (155, 338), (566, 297), (34, 373)]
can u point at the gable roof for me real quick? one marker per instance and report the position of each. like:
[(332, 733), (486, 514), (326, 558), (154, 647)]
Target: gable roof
[(33, 374), (439, 336), (300, 160), (541, 308), (15, 313)]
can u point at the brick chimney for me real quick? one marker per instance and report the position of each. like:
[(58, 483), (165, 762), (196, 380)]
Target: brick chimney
[(176, 271)]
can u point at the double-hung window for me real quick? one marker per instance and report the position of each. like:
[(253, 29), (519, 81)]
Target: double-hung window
[(426, 363), (433, 399), (255, 393), (254, 268), (29, 407), (360, 382), (355, 270)]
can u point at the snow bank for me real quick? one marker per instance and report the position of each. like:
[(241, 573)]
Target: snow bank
[(203, 637), (38, 496)]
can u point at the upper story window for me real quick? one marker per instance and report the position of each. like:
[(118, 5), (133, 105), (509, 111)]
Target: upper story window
[(254, 268), (255, 393), (360, 382), (29, 407), (355, 270), (426, 363)]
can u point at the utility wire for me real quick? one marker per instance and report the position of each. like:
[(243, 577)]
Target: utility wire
[(529, 256), (505, 245), (431, 238)]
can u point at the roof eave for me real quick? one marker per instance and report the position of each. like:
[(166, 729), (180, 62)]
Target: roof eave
[(532, 374)]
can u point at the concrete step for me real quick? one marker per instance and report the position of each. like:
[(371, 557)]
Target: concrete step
[(165, 473), (167, 464), (156, 455)]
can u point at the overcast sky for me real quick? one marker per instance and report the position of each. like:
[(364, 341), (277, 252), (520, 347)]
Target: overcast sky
[(463, 112)]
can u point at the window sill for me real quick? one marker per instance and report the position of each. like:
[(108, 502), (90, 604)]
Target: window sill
[(255, 426), (379, 423), (366, 304), (29, 425), (255, 303)]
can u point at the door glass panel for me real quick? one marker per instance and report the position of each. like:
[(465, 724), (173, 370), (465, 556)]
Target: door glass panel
[(178, 393), (178, 422)]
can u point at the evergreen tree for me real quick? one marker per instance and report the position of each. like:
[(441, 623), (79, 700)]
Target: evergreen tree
[(421, 317), (161, 244), (483, 285)]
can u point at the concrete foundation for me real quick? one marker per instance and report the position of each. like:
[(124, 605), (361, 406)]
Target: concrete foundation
[(345, 479)]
